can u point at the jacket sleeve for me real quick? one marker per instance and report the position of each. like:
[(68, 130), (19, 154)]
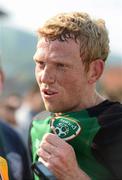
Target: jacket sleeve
[(108, 146)]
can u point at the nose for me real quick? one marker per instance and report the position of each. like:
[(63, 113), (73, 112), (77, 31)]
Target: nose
[(48, 75)]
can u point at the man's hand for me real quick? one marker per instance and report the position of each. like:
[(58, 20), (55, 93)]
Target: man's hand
[(59, 157)]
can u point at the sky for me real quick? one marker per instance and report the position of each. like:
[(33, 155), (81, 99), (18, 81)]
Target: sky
[(30, 14)]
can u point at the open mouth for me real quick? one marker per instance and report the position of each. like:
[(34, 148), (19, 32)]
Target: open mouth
[(48, 92)]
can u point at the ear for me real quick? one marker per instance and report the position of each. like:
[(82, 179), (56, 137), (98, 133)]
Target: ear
[(95, 70)]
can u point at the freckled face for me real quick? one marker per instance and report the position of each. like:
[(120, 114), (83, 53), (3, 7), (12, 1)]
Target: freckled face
[(60, 75)]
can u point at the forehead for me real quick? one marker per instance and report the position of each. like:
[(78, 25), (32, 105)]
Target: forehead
[(56, 47)]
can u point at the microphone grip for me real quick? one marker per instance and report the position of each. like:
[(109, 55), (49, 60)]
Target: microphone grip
[(42, 171)]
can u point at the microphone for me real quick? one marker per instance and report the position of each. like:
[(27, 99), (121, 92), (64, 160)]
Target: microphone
[(42, 171), (3, 169)]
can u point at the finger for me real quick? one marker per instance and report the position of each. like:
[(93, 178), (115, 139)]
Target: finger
[(47, 146), (52, 144), (43, 154), (53, 139), (43, 161)]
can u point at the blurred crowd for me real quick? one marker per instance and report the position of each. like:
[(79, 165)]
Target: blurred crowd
[(18, 111), (111, 83)]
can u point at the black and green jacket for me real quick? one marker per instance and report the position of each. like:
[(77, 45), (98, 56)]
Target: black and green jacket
[(94, 133)]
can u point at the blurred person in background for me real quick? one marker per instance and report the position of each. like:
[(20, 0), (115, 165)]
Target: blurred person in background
[(82, 138), (31, 105), (12, 148), (111, 83), (8, 106)]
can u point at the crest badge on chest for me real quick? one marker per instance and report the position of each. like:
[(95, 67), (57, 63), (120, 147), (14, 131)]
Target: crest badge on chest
[(66, 128)]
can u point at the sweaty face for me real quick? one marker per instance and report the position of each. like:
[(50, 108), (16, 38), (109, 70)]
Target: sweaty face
[(60, 75)]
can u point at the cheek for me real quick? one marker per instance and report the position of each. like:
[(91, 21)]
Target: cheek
[(76, 84), (72, 84)]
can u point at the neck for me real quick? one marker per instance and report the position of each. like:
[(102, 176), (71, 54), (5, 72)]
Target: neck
[(97, 99), (94, 100)]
